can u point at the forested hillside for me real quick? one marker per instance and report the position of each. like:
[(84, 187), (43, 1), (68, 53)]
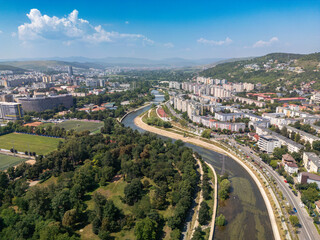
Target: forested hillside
[(276, 69), (15, 70), (117, 185)]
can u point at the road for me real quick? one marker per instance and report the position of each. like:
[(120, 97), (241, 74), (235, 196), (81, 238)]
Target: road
[(307, 231)]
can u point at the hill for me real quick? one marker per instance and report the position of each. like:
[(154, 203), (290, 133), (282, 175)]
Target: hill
[(83, 62), (11, 68), (271, 70), (47, 65)]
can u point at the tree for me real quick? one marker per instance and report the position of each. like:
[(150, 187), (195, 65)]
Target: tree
[(265, 157), (310, 195), (225, 186), (27, 118), (146, 229), (204, 213), (278, 152), (274, 164), (221, 220), (175, 234), (206, 133), (294, 220), (70, 218), (133, 191), (198, 234), (316, 145)]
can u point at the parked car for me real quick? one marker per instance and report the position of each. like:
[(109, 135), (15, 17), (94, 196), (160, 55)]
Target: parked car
[(285, 181)]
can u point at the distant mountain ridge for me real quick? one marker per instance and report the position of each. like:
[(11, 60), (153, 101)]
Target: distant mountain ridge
[(109, 62)]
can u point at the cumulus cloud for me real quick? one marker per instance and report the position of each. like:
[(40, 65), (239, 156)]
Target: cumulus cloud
[(214, 43), (69, 29), (261, 43), (168, 45)]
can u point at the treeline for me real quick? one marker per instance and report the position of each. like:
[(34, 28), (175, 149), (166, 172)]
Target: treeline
[(154, 121), (51, 131), (81, 165)]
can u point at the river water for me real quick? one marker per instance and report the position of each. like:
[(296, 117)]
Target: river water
[(245, 211)]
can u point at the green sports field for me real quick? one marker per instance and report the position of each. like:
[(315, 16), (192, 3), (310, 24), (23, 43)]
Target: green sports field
[(26, 142), (80, 126), (7, 161)]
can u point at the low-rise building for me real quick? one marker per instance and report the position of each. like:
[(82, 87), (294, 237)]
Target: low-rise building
[(306, 178), (287, 158), (291, 168)]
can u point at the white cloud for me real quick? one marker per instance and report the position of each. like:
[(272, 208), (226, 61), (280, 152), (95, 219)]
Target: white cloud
[(126, 22), (69, 29), (168, 45), (1, 32), (215, 43), (261, 43)]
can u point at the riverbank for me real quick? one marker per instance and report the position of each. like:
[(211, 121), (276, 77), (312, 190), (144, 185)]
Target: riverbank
[(138, 121), (134, 110)]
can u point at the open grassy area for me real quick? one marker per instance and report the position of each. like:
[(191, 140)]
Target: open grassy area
[(8, 161), (26, 142), (80, 126)]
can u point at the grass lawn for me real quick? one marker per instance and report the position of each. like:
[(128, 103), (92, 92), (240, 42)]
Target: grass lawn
[(24, 142), (80, 126), (7, 161)]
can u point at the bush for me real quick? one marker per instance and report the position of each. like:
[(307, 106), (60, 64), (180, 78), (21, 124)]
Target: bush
[(206, 133), (294, 220), (221, 220)]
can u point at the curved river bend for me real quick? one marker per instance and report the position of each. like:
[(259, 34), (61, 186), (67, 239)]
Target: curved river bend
[(245, 210)]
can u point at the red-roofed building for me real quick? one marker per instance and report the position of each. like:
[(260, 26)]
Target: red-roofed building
[(294, 99)]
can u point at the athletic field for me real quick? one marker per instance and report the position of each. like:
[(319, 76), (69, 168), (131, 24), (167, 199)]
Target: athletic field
[(7, 161), (26, 142), (80, 126)]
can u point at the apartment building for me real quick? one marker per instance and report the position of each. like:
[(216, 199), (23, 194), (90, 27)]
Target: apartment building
[(234, 127), (225, 117), (268, 143), (311, 162), (249, 101), (175, 85), (292, 146), (307, 137)]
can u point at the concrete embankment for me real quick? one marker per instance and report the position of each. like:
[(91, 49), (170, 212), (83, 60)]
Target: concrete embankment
[(134, 110)]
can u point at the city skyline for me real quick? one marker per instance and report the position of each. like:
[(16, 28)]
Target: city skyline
[(157, 30)]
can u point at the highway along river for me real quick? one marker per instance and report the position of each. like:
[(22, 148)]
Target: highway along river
[(245, 211)]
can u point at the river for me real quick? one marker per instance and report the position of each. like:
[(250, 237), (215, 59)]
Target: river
[(245, 211)]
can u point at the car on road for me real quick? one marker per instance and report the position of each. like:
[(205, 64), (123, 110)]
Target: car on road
[(295, 210)]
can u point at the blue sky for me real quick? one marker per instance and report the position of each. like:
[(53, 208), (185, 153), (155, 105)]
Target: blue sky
[(157, 29)]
